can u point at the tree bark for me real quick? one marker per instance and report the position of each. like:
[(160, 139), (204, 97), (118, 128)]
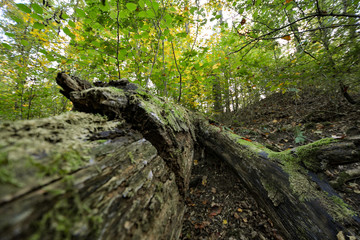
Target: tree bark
[(301, 204), (126, 175), (82, 176)]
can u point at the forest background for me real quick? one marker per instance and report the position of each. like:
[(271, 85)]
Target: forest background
[(212, 56)]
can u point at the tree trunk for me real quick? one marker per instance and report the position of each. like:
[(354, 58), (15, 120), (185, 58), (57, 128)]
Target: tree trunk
[(81, 176), (126, 175), (301, 204)]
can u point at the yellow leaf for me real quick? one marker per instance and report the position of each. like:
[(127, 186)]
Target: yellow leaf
[(293, 60), (225, 222)]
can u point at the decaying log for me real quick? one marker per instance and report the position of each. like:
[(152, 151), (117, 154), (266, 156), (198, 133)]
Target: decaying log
[(304, 206), (85, 176), (121, 170)]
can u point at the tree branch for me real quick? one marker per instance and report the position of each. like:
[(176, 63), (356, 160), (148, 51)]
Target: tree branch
[(311, 15)]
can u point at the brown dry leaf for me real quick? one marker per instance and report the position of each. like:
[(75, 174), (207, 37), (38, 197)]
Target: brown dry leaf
[(288, 1), (201, 225), (213, 190), (236, 216), (287, 38), (204, 202), (215, 211), (243, 21), (196, 162)]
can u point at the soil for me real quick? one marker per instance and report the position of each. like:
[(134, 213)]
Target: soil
[(219, 206)]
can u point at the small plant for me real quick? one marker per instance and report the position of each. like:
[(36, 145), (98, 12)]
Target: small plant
[(299, 137)]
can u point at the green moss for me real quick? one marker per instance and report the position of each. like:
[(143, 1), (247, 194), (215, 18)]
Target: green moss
[(50, 147), (307, 153), (163, 111), (61, 163), (301, 185), (70, 217), (339, 209)]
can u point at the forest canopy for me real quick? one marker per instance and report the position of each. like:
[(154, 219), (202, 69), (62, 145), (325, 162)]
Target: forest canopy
[(210, 56)]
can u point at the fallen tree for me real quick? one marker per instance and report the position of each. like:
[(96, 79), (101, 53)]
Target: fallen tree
[(121, 170)]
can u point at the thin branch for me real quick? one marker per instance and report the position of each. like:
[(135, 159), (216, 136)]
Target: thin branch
[(311, 30), (312, 15), (118, 38), (177, 67), (249, 50)]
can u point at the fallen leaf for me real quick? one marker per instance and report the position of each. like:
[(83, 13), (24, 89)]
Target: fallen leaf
[(340, 236), (225, 222), (204, 202), (245, 220), (204, 180), (239, 210), (215, 211), (196, 162), (213, 190), (128, 225), (236, 216), (246, 139)]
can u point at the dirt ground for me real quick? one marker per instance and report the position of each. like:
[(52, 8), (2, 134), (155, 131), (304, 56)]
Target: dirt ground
[(219, 206)]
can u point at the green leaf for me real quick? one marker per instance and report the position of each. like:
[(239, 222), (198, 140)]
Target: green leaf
[(80, 13), (168, 18), (17, 20), (38, 26), (23, 8), (43, 51), (193, 9), (68, 32), (182, 35), (7, 46), (65, 16), (289, 7), (142, 4), (71, 24), (36, 16), (37, 8), (24, 42), (155, 6), (142, 14), (10, 34), (124, 13), (150, 13), (113, 15), (131, 6)]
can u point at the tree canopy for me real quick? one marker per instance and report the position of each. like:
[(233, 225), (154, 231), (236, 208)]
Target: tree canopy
[(213, 56)]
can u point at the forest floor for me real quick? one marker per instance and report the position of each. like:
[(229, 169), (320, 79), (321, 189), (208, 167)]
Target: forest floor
[(219, 206)]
